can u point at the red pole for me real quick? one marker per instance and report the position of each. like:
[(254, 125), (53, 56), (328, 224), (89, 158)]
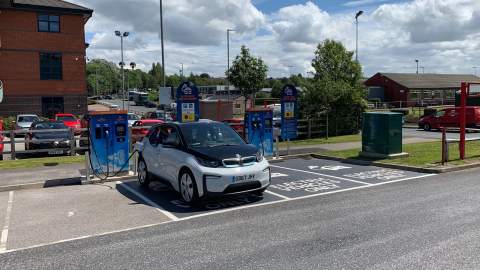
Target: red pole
[(463, 113)]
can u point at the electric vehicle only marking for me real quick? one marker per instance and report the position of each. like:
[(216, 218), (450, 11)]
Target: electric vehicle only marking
[(201, 159)]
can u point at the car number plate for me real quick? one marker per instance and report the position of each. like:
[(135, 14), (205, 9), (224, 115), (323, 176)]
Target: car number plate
[(55, 152), (243, 178)]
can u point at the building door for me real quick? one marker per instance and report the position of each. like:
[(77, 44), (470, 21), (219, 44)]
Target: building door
[(52, 106)]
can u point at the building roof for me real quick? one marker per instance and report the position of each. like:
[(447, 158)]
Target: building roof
[(54, 5), (430, 81)]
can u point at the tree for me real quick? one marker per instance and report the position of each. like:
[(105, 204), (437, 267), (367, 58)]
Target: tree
[(335, 89), (247, 72)]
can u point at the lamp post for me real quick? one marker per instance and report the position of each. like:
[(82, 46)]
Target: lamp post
[(475, 70), (356, 40), (181, 71), (423, 70), (161, 38), (132, 65), (122, 64), (228, 61), (416, 61)]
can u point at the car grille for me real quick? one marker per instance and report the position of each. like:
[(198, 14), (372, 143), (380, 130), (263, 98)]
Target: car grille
[(239, 161)]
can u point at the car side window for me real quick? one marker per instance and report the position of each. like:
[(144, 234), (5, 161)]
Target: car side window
[(154, 137), (169, 136)]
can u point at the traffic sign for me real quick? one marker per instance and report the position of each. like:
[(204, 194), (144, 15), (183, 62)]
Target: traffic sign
[(289, 112), (188, 107)]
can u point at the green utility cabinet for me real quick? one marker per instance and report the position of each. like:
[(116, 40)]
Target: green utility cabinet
[(382, 135)]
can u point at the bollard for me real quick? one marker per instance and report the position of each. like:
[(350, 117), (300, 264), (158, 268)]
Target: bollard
[(87, 166), (277, 152), (444, 146)]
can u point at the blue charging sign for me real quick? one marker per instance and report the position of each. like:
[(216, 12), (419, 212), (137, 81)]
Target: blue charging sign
[(289, 102), (188, 107)]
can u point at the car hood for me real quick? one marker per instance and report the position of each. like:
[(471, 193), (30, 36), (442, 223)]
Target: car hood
[(61, 135), (71, 123), (222, 152), (24, 124)]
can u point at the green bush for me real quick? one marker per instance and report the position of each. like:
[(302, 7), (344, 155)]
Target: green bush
[(8, 122)]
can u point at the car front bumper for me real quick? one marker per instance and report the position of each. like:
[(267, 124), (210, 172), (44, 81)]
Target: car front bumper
[(222, 181)]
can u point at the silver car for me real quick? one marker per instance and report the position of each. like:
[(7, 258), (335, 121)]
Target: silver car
[(25, 121)]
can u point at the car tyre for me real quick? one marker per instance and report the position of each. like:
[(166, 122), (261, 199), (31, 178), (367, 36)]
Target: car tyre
[(143, 176), (427, 127), (259, 192), (188, 187)]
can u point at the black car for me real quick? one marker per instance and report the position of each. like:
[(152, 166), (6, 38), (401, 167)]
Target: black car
[(52, 136)]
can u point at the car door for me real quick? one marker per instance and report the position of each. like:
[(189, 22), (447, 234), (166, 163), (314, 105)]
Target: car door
[(171, 153), (150, 152)]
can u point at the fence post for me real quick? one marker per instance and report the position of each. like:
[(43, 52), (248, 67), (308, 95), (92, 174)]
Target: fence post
[(73, 143), (444, 146), (87, 166), (309, 128), (12, 145), (326, 132)]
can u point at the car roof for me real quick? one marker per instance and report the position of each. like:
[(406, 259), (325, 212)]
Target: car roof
[(64, 114), (27, 115), (150, 121)]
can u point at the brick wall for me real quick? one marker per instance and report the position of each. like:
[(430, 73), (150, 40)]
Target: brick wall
[(20, 45)]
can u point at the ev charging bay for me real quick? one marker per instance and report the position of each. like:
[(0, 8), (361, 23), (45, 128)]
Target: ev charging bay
[(291, 179)]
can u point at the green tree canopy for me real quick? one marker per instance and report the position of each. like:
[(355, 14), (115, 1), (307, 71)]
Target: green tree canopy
[(247, 72)]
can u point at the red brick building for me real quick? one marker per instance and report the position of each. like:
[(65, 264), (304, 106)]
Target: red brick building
[(410, 89), (42, 57)]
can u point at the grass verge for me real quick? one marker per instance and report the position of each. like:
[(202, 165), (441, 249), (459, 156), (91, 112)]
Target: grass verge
[(39, 162), (424, 155), (337, 139)]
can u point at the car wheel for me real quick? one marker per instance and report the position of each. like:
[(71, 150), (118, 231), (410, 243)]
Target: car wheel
[(188, 188), (427, 127), (143, 175)]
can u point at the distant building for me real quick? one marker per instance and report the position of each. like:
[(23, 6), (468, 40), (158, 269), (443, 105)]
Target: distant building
[(42, 57), (410, 89), (218, 90)]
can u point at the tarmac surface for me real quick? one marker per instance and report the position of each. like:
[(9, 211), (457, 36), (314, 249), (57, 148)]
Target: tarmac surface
[(317, 214)]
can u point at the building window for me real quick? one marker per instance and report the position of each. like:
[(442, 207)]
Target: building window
[(48, 23), (52, 106), (415, 94), (50, 66)]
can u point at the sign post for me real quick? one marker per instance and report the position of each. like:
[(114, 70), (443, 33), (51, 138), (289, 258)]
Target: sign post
[(289, 102), (188, 107)]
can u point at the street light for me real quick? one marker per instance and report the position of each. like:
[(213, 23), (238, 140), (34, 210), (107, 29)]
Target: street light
[(416, 61), (161, 38), (122, 64), (356, 42), (181, 71), (475, 69), (228, 60), (423, 70)]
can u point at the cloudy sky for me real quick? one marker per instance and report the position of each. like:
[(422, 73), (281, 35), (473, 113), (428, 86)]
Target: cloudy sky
[(443, 34)]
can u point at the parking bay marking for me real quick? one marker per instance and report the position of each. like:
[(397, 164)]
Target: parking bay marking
[(4, 236), (150, 202), (321, 174), (216, 212), (278, 195)]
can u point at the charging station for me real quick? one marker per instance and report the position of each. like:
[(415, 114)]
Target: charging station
[(259, 129), (109, 143), (188, 106)]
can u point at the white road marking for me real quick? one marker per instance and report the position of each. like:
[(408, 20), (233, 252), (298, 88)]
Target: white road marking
[(278, 195), (150, 202), (4, 236), (321, 174), (70, 214), (275, 175), (215, 213)]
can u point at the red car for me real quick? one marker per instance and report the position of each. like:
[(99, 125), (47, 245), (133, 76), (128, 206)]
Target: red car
[(450, 118), (141, 127), (70, 121), (1, 140)]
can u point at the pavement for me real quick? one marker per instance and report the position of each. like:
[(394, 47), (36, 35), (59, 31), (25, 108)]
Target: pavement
[(317, 214)]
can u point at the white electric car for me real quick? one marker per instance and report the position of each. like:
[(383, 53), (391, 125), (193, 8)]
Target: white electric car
[(201, 159)]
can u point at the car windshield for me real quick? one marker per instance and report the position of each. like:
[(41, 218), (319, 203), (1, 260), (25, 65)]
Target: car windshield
[(50, 125), (27, 119), (210, 135), (133, 117), (66, 118)]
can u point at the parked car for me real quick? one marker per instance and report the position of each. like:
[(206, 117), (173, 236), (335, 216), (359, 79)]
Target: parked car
[(150, 104), (55, 138), (70, 121), (132, 118), (236, 124), (450, 118), (141, 127), (202, 159), (24, 121), (2, 136), (159, 114)]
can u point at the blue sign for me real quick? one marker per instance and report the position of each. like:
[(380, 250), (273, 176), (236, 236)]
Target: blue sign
[(289, 102), (188, 107)]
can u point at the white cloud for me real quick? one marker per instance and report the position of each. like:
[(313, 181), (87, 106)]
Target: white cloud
[(442, 34), (358, 3)]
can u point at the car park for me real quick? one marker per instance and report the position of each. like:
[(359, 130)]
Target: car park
[(24, 121), (141, 127), (2, 137), (450, 118), (70, 121), (202, 159), (49, 135)]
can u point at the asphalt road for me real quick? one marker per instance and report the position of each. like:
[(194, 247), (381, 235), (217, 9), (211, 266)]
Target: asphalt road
[(428, 223), (135, 109)]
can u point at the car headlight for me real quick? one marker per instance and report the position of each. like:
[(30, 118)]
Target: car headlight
[(208, 163), (259, 156)]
